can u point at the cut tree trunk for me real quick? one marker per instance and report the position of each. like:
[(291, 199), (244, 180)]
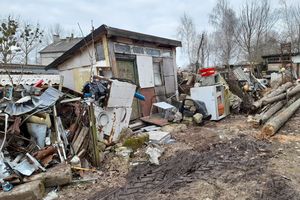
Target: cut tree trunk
[(262, 118), (290, 93), (258, 104), (272, 126), (269, 113)]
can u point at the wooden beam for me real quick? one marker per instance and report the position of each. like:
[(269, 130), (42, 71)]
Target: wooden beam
[(106, 51), (112, 59)]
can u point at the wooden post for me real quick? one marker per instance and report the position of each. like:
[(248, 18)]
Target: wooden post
[(94, 136), (112, 59)]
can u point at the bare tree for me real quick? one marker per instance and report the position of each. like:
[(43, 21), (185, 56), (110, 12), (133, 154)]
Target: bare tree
[(30, 37), (54, 30), (224, 20), (194, 45), (291, 20), (256, 19), (186, 32)]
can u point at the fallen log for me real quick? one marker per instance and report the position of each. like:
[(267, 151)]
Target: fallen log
[(269, 113), (275, 123), (290, 93), (258, 104)]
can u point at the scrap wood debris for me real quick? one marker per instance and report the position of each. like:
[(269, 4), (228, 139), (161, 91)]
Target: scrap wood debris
[(45, 127)]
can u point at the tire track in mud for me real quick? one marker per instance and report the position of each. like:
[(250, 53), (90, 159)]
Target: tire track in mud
[(232, 162)]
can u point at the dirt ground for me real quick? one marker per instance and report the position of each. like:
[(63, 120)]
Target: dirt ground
[(220, 160)]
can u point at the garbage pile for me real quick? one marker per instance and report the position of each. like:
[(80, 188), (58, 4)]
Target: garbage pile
[(275, 108), (44, 127), (36, 136), (246, 86), (207, 95)]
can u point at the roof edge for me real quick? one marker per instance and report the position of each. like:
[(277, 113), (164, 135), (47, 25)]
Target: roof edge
[(110, 31)]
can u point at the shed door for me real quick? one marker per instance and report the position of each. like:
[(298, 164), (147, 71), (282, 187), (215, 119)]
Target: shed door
[(169, 76), (127, 70)]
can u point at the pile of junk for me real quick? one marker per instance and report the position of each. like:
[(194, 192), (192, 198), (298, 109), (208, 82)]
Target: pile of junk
[(45, 125), (209, 89)]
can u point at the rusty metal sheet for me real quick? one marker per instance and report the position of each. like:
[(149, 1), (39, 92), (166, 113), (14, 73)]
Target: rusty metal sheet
[(155, 119), (149, 94)]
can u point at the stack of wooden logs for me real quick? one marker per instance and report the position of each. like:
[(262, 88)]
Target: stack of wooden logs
[(276, 108)]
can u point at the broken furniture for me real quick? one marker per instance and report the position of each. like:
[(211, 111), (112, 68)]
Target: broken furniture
[(160, 118)]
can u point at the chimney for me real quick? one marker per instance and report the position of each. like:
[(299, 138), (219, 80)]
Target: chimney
[(56, 38)]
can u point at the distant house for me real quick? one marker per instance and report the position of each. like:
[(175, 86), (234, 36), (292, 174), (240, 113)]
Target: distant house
[(149, 61), (57, 48), (274, 62)]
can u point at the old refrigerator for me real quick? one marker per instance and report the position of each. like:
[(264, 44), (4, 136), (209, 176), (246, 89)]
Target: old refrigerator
[(213, 97)]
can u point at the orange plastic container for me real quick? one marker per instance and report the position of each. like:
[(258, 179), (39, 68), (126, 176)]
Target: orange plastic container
[(221, 109)]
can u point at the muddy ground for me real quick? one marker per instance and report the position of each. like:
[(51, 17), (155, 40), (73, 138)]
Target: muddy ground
[(220, 160)]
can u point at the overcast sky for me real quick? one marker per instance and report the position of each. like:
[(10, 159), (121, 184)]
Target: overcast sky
[(157, 17)]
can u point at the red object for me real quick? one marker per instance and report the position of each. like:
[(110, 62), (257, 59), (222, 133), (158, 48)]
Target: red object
[(38, 84), (207, 71)]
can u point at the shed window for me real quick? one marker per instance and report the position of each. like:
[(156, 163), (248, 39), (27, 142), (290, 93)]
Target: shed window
[(138, 50), (99, 52), (166, 54), (120, 48), (153, 52), (158, 81)]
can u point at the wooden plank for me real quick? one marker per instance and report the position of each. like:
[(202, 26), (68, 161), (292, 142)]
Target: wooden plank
[(79, 140), (112, 59), (93, 131), (175, 71), (170, 85), (160, 92), (169, 76), (106, 50), (168, 67)]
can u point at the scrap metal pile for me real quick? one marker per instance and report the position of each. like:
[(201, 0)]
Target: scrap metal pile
[(43, 126)]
